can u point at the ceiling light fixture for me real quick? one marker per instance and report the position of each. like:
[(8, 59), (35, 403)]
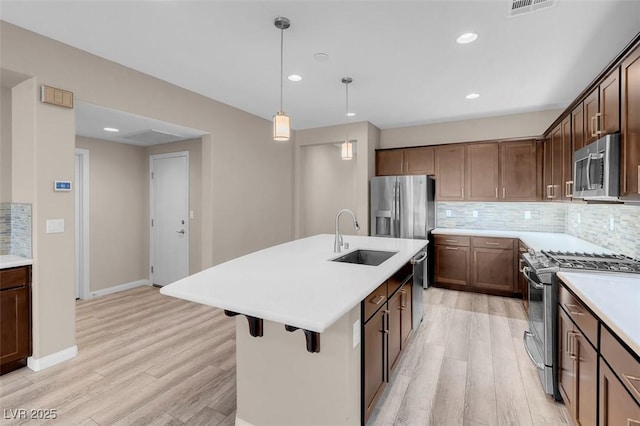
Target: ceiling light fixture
[(351, 114), (111, 129), (472, 96), (347, 146), (281, 122), (467, 38), (295, 77)]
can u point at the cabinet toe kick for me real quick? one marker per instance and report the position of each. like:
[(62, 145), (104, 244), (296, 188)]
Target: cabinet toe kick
[(312, 337), (255, 323)]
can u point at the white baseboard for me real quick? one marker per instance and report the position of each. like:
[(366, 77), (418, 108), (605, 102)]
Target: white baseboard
[(240, 422), (121, 287), (37, 364)]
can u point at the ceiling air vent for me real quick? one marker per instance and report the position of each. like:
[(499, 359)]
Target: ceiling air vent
[(152, 137), (521, 7)]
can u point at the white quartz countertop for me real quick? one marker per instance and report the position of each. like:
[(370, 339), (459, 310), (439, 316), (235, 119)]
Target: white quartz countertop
[(535, 240), (12, 261), (615, 298), (295, 283)]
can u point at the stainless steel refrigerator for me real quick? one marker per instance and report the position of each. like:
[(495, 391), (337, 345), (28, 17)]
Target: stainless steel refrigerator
[(404, 207)]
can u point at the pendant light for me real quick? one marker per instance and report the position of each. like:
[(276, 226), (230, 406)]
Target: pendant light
[(281, 122), (347, 146)]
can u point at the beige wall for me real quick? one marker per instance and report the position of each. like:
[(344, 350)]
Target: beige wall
[(501, 127), (194, 147), (5, 144), (327, 185), (118, 213), (248, 176), (366, 136)]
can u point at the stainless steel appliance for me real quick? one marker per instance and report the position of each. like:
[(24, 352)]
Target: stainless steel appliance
[(404, 207), (596, 172), (540, 272)]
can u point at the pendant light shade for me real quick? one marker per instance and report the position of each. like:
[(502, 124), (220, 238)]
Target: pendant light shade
[(281, 121), (347, 145)]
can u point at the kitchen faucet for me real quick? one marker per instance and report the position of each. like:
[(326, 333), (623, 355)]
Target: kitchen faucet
[(337, 243)]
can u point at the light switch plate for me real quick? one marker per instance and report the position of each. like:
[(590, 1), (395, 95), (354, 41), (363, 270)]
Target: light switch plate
[(356, 333), (55, 226), (527, 214)]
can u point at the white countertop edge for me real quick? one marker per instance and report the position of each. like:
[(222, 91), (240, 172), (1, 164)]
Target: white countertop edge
[(281, 317), (12, 261), (569, 280)]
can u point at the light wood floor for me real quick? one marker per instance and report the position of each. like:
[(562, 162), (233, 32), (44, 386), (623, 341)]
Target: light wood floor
[(149, 359)]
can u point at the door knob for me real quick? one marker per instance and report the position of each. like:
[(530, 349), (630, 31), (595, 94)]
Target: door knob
[(180, 231)]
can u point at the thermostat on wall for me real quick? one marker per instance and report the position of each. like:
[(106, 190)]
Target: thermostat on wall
[(62, 185)]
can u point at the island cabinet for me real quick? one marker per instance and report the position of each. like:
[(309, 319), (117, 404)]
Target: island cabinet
[(619, 383), (630, 105), (15, 317), (480, 264), (386, 319), (406, 161), (577, 358)]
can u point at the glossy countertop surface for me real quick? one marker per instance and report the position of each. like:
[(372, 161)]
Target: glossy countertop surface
[(615, 298), (534, 240), (296, 283), (12, 261)]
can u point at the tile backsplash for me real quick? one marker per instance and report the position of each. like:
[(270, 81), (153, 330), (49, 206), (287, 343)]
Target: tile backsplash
[(15, 229), (613, 226)]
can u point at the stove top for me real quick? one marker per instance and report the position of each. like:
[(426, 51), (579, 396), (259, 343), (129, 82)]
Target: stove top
[(591, 261)]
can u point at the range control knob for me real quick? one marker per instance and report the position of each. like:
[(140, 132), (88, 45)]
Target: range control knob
[(532, 252)]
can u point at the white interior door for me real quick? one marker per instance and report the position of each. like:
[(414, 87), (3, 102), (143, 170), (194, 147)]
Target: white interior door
[(169, 217)]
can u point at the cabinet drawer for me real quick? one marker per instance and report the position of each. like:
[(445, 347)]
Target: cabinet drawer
[(375, 301), (452, 240), (14, 277), (399, 278), (587, 323), (621, 361), (492, 242)]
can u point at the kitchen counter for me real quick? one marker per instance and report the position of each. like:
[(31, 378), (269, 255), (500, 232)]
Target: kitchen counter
[(615, 298), (295, 283), (12, 261), (535, 240)]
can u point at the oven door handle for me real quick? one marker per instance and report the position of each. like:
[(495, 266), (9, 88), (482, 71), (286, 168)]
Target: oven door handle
[(525, 272), (525, 337)]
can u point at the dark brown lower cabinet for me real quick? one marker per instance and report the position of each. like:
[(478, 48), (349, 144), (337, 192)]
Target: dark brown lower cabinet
[(566, 366), (452, 265), (374, 371), (617, 407), (15, 318), (494, 269)]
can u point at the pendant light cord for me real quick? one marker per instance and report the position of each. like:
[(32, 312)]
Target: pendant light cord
[(281, 64), (346, 112)]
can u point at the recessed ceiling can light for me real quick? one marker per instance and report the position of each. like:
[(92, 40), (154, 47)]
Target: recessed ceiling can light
[(351, 114), (473, 96), (111, 129), (467, 38), (294, 77)]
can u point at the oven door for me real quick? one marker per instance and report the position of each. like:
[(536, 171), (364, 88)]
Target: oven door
[(536, 308)]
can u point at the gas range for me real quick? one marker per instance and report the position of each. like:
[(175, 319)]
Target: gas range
[(548, 262)]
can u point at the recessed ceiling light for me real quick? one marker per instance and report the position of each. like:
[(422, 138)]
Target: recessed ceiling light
[(111, 129), (467, 38), (294, 77), (473, 96), (351, 114)]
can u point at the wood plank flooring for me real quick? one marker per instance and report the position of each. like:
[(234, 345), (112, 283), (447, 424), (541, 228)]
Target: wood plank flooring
[(147, 359)]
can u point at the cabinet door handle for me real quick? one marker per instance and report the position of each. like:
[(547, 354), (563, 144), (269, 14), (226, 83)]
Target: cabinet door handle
[(567, 191), (593, 132), (634, 382), (549, 191), (631, 422), (492, 244), (598, 123), (451, 241), (376, 300), (577, 310), (573, 354), (638, 179), (403, 302), (451, 248), (504, 193)]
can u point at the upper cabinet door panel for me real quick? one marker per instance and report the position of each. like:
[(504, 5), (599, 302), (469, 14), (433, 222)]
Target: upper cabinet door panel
[(482, 172), (450, 169), (389, 162), (610, 103), (577, 127), (630, 182), (591, 109), (420, 161), (518, 171)]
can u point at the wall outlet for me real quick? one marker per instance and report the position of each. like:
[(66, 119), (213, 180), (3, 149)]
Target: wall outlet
[(55, 226), (527, 214), (191, 214), (475, 213), (356, 333), (612, 223), (447, 213)]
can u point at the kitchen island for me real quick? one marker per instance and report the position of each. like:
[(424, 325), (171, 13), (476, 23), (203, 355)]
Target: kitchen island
[(309, 376)]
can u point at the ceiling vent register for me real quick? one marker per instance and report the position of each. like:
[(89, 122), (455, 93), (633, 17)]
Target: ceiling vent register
[(152, 137), (522, 7)]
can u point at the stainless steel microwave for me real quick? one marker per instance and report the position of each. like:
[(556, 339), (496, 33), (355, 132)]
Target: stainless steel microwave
[(596, 171)]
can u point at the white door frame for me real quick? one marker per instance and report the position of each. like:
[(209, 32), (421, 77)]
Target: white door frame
[(151, 200), (82, 223)]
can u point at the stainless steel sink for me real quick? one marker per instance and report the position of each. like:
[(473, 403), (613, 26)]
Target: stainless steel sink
[(365, 257)]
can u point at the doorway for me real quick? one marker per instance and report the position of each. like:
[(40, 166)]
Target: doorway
[(81, 194), (169, 197)]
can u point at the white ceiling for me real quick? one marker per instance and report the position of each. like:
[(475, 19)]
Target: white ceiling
[(402, 55)]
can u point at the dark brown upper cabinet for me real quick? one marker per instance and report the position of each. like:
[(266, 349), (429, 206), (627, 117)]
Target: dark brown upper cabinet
[(450, 172), (407, 161), (630, 150)]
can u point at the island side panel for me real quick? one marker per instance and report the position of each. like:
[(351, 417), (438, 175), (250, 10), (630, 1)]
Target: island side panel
[(280, 383)]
